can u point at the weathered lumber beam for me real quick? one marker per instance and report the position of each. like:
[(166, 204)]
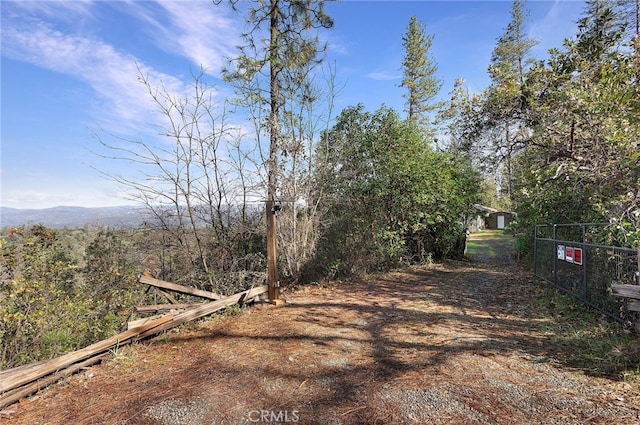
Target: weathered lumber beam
[(14, 378), (633, 306), (626, 291), (168, 296), (139, 322), (163, 307), (179, 288), (23, 376), (206, 309), (16, 394)]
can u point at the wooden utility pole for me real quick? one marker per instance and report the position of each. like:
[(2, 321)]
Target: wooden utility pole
[(272, 166), (272, 257)]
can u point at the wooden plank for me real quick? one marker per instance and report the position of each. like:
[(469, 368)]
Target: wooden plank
[(15, 378), (634, 306), (164, 307), (139, 322), (168, 296), (179, 288), (206, 309), (10, 379), (626, 291), (14, 395)]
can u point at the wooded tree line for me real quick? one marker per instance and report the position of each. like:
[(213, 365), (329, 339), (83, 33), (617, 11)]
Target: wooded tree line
[(63, 290), (562, 135)]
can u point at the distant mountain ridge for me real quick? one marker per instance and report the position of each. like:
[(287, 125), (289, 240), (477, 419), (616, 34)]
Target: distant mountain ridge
[(74, 217)]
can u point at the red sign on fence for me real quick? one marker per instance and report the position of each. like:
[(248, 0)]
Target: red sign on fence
[(573, 255), (577, 256)]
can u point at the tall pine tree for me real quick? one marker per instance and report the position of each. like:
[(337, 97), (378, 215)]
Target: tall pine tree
[(505, 104), (419, 74), (280, 47)]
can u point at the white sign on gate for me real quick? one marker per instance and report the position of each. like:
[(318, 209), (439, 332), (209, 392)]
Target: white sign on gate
[(561, 252)]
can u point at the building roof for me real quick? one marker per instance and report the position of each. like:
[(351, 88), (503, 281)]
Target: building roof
[(484, 208)]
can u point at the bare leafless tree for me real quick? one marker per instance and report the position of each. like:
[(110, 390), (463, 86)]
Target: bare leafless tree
[(196, 181), (309, 111)]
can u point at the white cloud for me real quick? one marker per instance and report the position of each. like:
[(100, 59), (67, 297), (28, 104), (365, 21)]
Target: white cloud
[(68, 11), (337, 45), (202, 33), (198, 30), (112, 74), (384, 75)]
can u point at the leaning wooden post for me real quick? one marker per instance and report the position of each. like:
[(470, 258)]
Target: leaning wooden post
[(272, 256)]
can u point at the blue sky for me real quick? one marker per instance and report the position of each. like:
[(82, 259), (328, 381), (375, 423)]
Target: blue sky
[(71, 67)]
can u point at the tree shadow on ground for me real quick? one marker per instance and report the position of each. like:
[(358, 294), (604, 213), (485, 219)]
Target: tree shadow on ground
[(331, 354), (450, 343)]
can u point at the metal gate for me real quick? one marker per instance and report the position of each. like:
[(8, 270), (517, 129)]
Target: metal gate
[(567, 256)]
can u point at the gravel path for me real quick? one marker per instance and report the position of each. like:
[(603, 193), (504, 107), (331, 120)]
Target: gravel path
[(454, 343)]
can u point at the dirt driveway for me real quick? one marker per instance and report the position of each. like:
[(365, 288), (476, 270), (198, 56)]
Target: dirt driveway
[(454, 343)]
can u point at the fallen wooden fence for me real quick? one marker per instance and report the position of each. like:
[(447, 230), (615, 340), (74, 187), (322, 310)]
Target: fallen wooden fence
[(164, 307), (206, 309), (16, 394), (630, 292), (24, 380), (179, 288)]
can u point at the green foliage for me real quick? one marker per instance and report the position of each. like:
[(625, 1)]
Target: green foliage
[(582, 162), (37, 283), (391, 198), (561, 136), (49, 304), (110, 275), (62, 290), (510, 56), (233, 310), (588, 340)]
